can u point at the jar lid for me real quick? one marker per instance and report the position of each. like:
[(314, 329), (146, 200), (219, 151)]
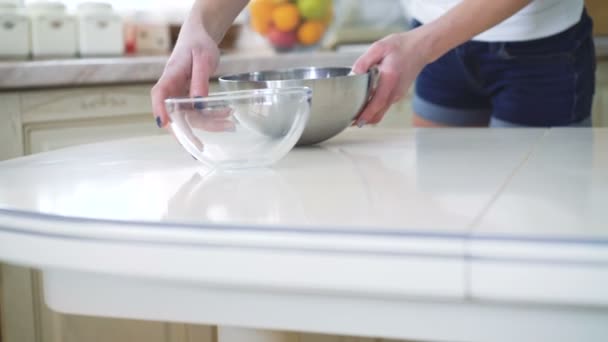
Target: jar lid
[(7, 6), (145, 17), (96, 7), (46, 6), (10, 3)]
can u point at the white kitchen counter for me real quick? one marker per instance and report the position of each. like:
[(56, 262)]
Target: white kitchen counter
[(439, 235)]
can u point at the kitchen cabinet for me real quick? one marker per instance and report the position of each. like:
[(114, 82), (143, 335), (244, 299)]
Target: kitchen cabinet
[(11, 139), (52, 119), (54, 136), (600, 102), (26, 318)]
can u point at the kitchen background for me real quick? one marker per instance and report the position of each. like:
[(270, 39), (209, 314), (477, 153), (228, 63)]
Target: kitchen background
[(76, 72)]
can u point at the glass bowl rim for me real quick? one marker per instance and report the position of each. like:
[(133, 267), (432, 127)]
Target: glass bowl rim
[(241, 94)]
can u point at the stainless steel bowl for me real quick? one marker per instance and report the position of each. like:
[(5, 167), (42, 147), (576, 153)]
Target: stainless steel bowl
[(337, 95)]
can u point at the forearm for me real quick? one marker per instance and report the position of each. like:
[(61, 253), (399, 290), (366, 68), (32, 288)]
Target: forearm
[(463, 22), (216, 15)]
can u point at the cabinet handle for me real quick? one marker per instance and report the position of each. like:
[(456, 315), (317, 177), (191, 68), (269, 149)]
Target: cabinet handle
[(56, 24), (8, 25)]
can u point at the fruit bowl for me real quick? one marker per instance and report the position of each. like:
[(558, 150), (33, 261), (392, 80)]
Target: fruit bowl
[(240, 129), (289, 25)]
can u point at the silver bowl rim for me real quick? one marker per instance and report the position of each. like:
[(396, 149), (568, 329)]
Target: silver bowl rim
[(232, 78)]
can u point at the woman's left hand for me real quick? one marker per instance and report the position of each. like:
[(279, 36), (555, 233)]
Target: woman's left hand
[(400, 59)]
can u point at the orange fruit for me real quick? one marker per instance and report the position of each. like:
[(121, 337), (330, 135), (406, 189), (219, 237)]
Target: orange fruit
[(261, 25), (260, 7), (261, 15), (311, 32), (286, 17)]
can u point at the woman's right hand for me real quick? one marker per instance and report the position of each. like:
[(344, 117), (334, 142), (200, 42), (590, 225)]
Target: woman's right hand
[(194, 59)]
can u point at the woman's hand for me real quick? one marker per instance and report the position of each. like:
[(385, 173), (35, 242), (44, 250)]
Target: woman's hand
[(400, 59), (194, 59)]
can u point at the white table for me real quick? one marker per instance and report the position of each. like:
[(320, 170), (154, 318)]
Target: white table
[(440, 235)]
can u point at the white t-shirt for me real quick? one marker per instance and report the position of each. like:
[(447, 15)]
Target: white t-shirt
[(539, 19)]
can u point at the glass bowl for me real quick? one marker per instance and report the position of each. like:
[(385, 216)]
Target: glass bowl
[(240, 129)]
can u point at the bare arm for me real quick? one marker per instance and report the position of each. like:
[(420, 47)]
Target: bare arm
[(400, 57), (196, 55), (216, 16)]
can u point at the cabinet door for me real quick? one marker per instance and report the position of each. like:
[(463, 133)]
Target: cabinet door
[(65, 105), (17, 304), (399, 115), (53, 119), (26, 318), (600, 102), (41, 138), (333, 338), (11, 141)]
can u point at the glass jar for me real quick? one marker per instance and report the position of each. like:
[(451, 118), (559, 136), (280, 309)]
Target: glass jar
[(147, 33), (100, 30), (53, 31), (14, 32)]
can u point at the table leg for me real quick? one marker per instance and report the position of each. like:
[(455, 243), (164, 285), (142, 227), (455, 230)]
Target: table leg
[(233, 334)]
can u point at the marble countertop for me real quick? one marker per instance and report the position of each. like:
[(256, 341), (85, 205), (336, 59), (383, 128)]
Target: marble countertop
[(93, 71)]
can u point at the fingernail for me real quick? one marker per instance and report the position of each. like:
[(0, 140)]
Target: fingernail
[(361, 123), (159, 122), (199, 104)]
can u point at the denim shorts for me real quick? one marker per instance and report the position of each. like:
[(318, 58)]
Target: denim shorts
[(540, 83)]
